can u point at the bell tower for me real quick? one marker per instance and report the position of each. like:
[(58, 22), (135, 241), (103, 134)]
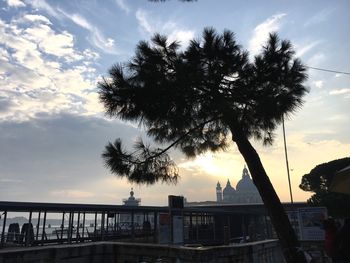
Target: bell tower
[(218, 193)]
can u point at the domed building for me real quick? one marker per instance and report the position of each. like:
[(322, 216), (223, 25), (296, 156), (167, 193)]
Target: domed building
[(229, 193), (132, 201), (244, 193)]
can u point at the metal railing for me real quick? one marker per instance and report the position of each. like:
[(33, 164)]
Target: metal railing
[(104, 252)]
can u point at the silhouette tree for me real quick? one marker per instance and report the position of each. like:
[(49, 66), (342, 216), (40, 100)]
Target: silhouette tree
[(196, 100), (319, 179)]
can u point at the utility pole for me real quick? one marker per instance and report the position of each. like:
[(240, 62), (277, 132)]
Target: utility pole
[(286, 154)]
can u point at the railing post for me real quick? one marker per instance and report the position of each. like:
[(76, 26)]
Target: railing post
[(69, 227), (3, 229), (43, 231), (115, 224), (132, 226), (37, 227), (28, 229), (62, 226), (95, 232), (102, 225), (155, 227), (72, 228), (77, 234), (83, 226)]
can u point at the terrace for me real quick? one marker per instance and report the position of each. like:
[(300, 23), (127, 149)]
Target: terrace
[(115, 233)]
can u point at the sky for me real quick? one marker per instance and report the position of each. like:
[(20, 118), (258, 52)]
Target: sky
[(53, 128)]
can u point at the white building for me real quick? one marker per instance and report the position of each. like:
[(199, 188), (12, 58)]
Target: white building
[(132, 201)]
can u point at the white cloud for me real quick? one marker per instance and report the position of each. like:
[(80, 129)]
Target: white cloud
[(339, 91), (318, 84), (96, 37), (35, 18), (144, 23), (57, 44), (4, 55), (316, 59), (79, 20), (41, 4), (262, 31), (149, 25), (110, 42), (15, 3), (36, 74), (339, 118), (122, 4), (319, 17), (305, 48), (9, 180)]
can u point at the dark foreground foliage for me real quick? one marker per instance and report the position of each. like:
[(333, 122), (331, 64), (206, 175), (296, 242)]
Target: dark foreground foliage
[(319, 180)]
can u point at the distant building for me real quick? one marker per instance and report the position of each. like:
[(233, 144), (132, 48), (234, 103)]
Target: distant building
[(218, 192), (132, 201), (125, 218), (244, 193)]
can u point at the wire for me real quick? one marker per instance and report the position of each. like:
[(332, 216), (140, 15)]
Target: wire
[(328, 70)]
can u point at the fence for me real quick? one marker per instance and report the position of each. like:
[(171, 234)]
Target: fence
[(106, 252)]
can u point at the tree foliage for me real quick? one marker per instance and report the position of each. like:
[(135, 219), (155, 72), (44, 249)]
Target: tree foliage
[(190, 97), (319, 179)]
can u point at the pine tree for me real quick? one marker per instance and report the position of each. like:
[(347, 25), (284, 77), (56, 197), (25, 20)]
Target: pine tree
[(199, 98)]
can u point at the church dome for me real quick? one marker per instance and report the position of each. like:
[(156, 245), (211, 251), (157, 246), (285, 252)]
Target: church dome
[(228, 190), (246, 183), (131, 197)]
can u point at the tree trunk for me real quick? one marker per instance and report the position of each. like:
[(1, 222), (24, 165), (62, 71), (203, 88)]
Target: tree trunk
[(289, 242)]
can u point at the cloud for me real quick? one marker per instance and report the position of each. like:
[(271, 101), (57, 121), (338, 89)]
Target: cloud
[(220, 165), (122, 4), (316, 59), (72, 193), (9, 180), (305, 48), (150, 25), (96, 37), (43, 71), (15, 3), (339, 92), (5, 104), (318, 84), (319, 17), (58, 156), (339, 118), (80, 21), (35, 18), (143, 19), (41, 4), (262, 31)]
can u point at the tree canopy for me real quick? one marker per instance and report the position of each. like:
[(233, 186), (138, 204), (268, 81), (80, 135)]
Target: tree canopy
[(319, 179), (190, 97)]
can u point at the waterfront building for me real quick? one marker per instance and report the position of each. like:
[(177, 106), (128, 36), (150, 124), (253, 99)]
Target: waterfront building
[(126, 218), (132, 201), (245, 192)]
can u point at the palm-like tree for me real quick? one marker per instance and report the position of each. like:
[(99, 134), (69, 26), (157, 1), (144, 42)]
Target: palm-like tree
[(196, 100)]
